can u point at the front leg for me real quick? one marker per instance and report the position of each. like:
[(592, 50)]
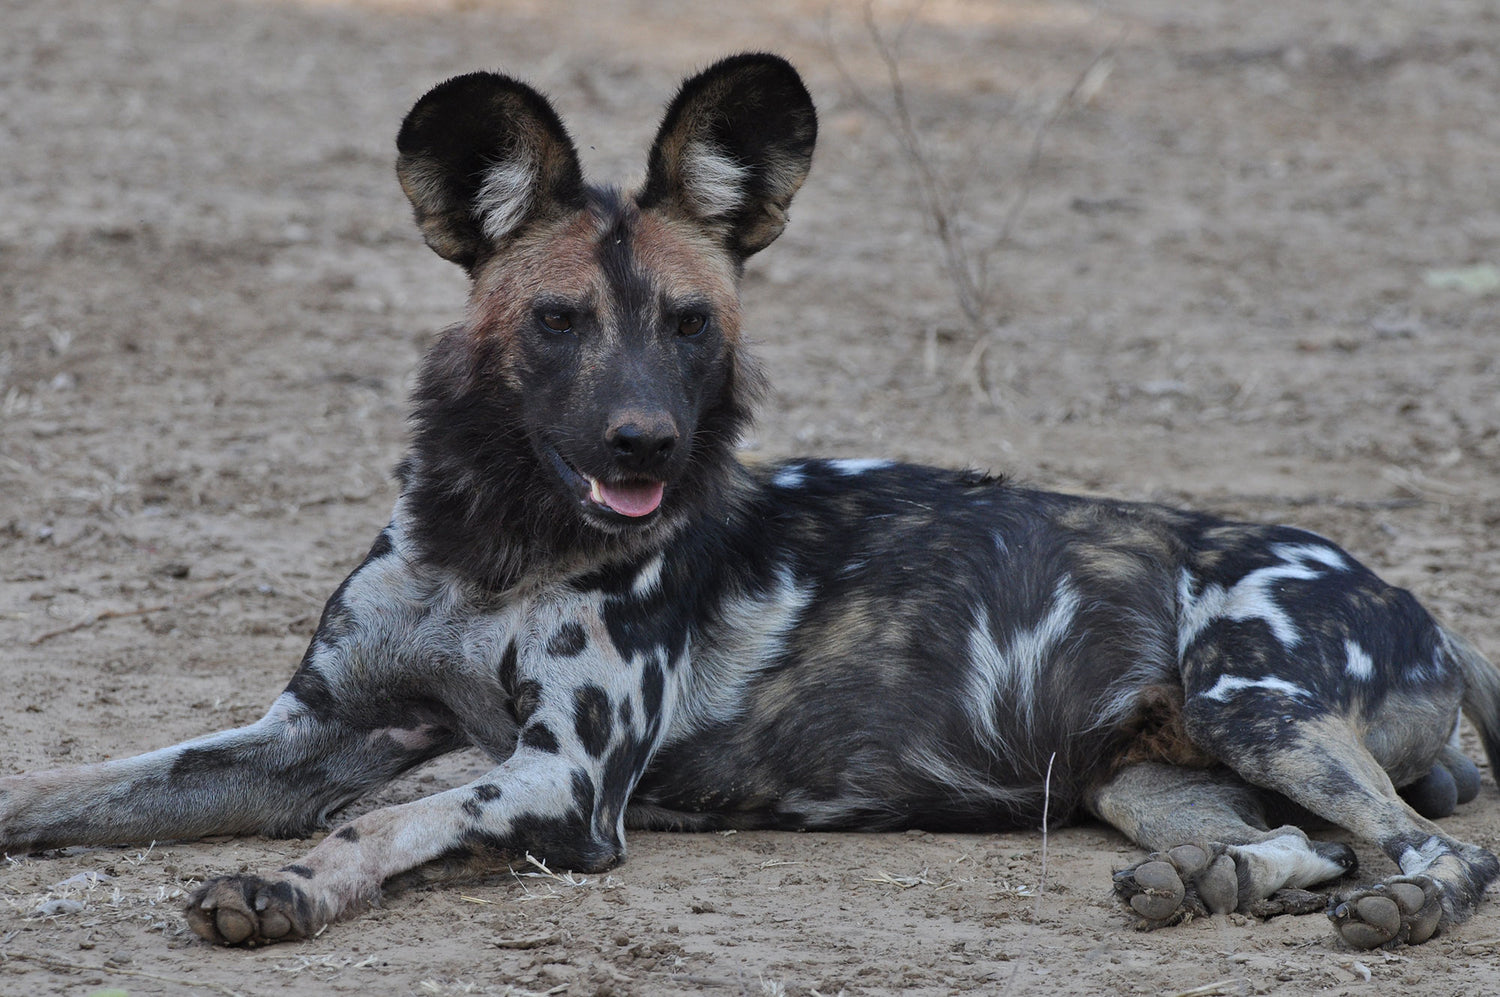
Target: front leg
[(279, 776), (590, 723), (533, 803), (353, 717)]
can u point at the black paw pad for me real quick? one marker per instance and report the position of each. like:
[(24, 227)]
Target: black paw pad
[(1434, 795)]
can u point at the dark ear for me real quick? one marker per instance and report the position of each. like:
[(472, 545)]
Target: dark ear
[(479, 157), (734, 147)]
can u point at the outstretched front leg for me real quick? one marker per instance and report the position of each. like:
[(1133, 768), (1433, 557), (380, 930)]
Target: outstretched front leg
[(589, 724), (280, 776), (348, 722)]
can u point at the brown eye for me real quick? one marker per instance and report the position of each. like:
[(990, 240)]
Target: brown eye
[(557, 321), (690, 325)]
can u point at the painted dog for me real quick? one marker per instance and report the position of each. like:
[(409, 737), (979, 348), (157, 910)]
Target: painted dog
[(581, 579)]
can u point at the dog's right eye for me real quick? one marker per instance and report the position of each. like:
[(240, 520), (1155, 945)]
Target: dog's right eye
[(557, 321)]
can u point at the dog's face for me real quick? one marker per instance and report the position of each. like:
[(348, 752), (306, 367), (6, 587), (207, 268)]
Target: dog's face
[(620, 325), (604, 327)]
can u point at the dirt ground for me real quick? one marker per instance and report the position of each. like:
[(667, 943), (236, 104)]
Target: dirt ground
[(1245, 262)]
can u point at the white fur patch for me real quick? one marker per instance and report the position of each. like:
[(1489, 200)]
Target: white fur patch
[(1228, 685), (504, 196), (1361, 666), (1012, 672), (649, 578), (713, 182), (752, 634), (790, 476), (1287, 861), (1252, 597), (1416, 860), (853, 467), (1326, 556)]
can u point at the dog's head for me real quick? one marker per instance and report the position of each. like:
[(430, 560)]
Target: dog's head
[(598, 376)]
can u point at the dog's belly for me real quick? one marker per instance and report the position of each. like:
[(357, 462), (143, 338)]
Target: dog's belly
[(698, 785), (881, 746)]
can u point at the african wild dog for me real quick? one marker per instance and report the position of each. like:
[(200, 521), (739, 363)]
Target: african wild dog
[(582, 579)]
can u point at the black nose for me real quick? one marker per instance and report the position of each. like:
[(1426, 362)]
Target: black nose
[(642, 445)]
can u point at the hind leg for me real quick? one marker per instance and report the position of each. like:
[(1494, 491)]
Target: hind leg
[(1313, 679), (1318, 761), (1212, 851)]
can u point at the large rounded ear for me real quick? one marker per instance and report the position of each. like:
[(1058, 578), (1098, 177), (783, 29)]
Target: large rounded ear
[(481, 156), (735, 145)]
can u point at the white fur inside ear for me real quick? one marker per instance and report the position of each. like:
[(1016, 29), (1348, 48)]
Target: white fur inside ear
[(505, 194), (713, 183)]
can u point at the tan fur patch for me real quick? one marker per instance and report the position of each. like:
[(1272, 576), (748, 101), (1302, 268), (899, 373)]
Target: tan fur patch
[(557, 259), (683, 261)]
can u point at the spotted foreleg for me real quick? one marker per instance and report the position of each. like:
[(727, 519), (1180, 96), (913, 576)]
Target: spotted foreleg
[(539, 803), (560, 798), (532, 804)]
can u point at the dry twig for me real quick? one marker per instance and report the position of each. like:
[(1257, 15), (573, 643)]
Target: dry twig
[(1041, 888), (941, 196), (117, 614), (1233, 985), (63, 965)]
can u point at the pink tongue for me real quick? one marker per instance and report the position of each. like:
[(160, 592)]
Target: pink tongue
[(639, 499)]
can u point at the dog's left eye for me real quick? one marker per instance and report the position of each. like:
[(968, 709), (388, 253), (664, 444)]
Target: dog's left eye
[(557, 321), (691, 325)]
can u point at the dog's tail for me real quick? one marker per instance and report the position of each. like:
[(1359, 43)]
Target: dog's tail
[(1481, 693)]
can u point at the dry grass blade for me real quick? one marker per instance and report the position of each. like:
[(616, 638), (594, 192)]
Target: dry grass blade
[(530, 942), (1041, 888), (566, 878), (904, 882), (1233, 985)]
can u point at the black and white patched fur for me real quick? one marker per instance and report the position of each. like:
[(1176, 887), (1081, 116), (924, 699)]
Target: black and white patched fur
[(582, 579)]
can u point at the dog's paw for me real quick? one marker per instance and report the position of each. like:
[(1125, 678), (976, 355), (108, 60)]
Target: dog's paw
[(250, 910), (1404, 910), (1177, 885)]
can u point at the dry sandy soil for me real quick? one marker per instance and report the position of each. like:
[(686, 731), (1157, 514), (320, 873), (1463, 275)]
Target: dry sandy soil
[(1238, 264)]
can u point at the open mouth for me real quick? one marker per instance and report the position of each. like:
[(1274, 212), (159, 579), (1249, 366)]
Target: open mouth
[(630, 498), (634, 499)]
